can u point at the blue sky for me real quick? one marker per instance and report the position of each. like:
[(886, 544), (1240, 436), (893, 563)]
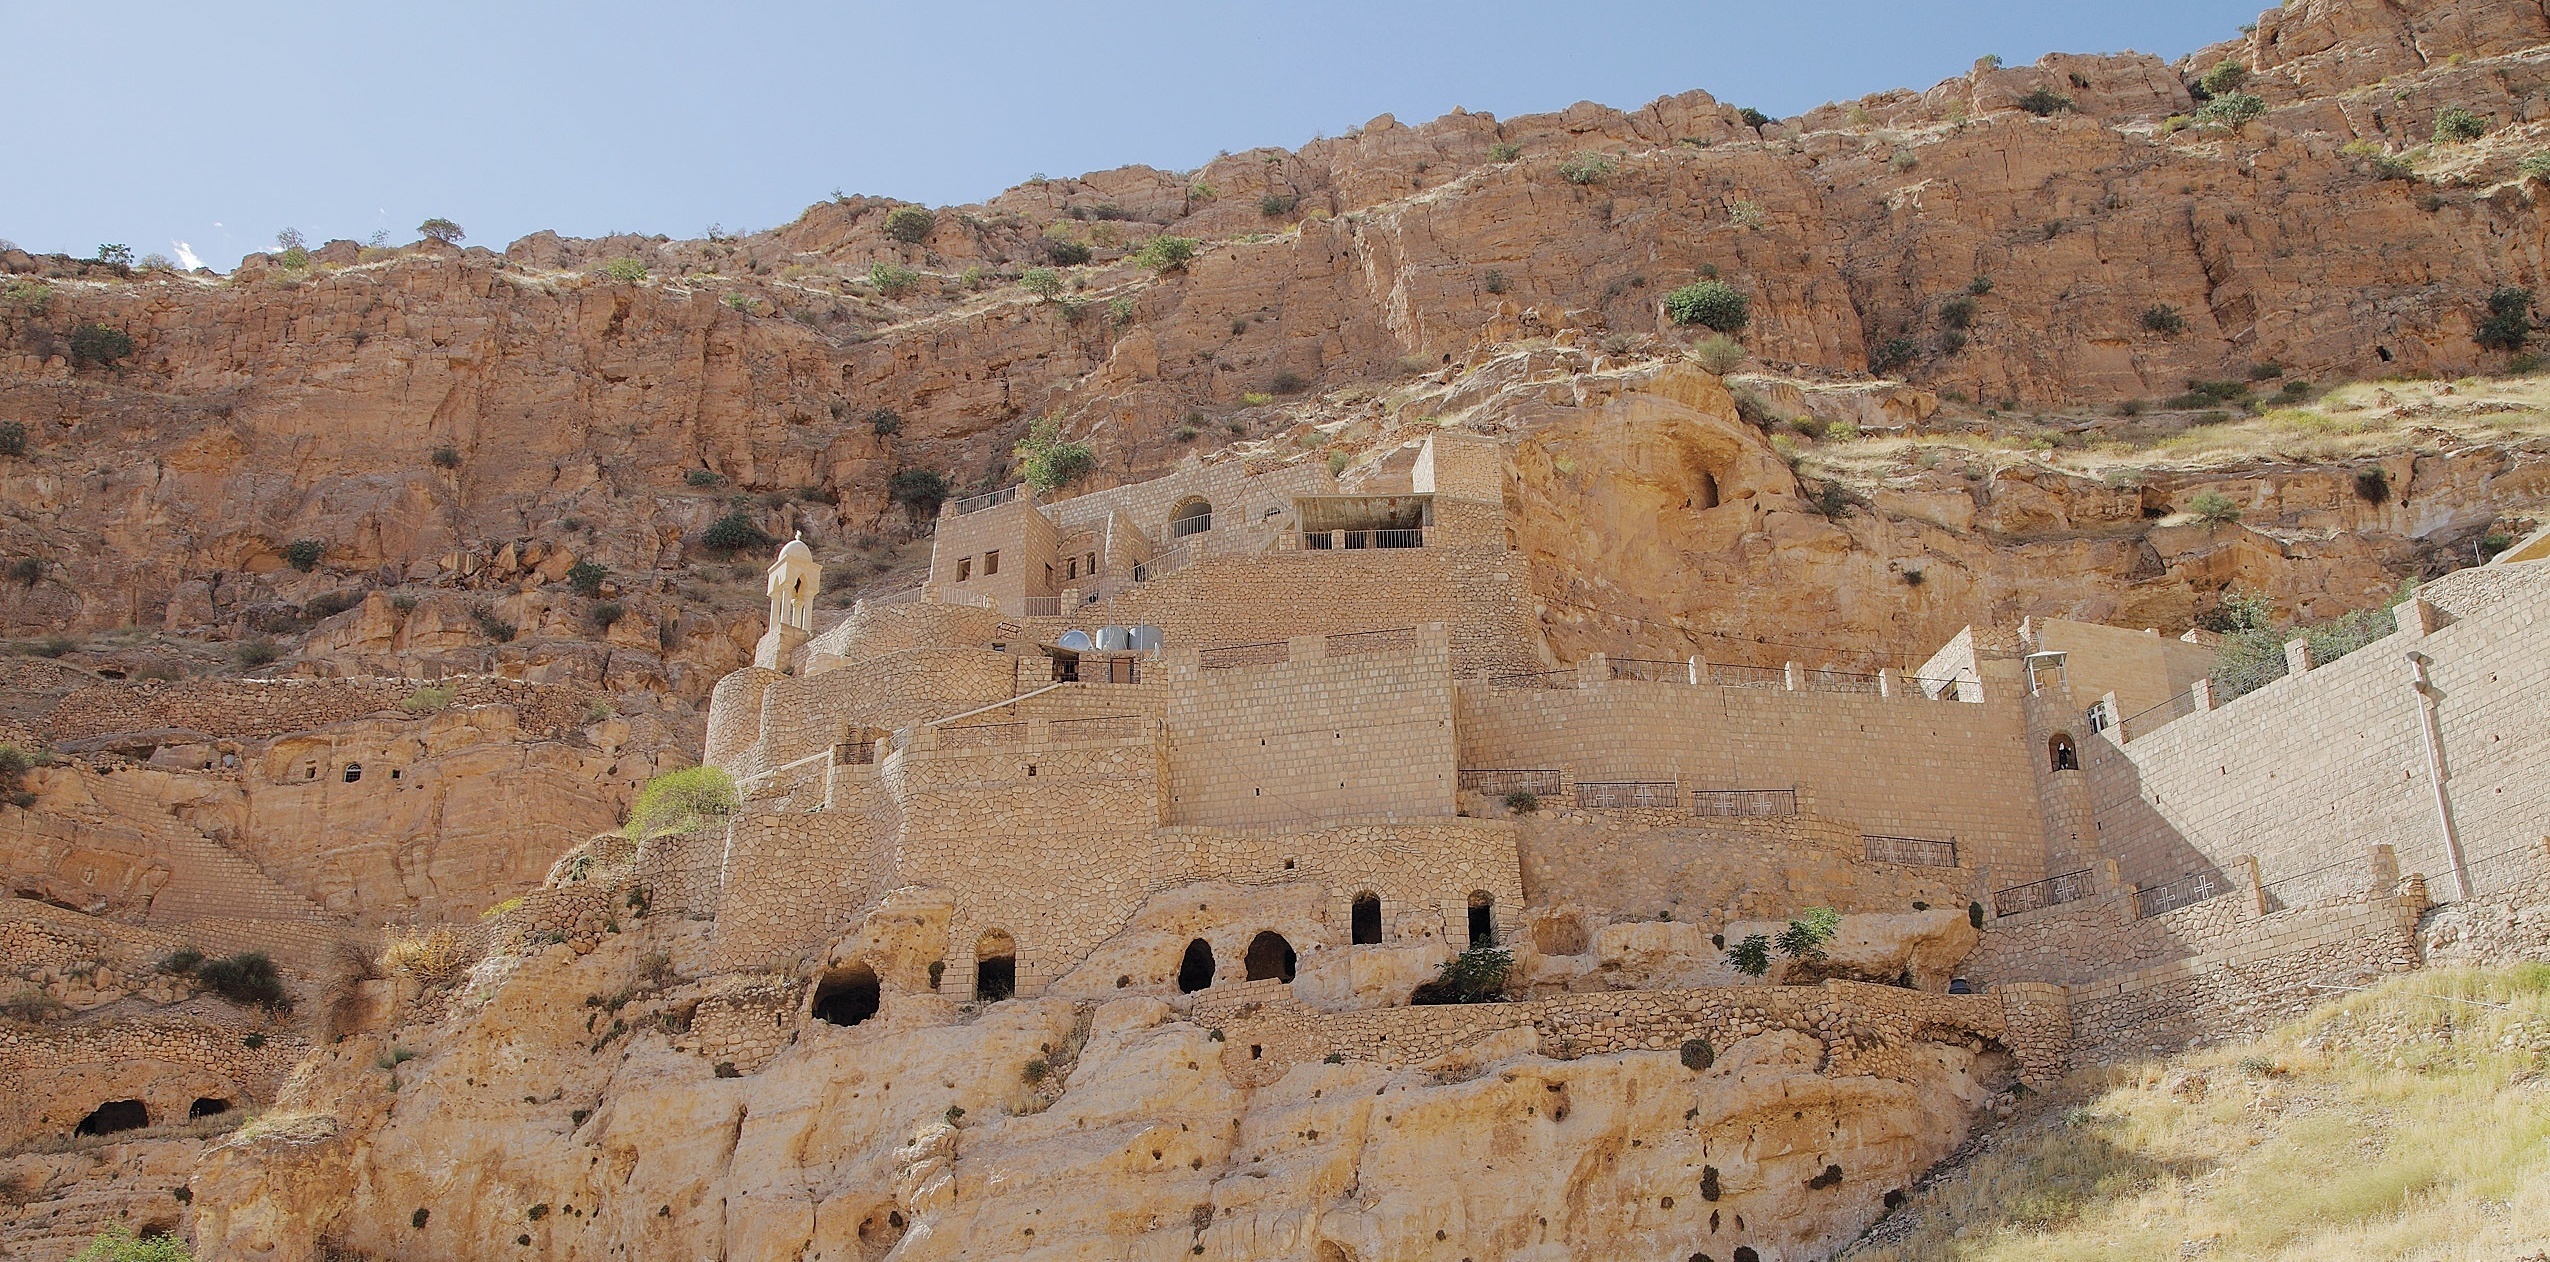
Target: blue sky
[(215, 124)]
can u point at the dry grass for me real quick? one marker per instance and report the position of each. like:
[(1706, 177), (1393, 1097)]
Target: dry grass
[(2394, 1123), (435, 956)]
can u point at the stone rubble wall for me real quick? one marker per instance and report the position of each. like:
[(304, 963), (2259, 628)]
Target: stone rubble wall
[(1871, 1030), (257, 709), (58, 1073), (1636, 864), (744, 1021)]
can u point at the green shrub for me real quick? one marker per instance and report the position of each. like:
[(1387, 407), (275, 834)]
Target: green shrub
[(99, 344), (1974, 914), (2535, 165), (1047, 460), (444, 457), (118, 1244), (440, 230), (491, 625), (181, 961), (2043, 101), (1957, 313), (2231, 110), (1719, 353), (2226, 76), (625, 271), (2372, 484), (1476, 975), (884, 422), (608, 615), (2213, 507), (2457, 125), (680, 801), (2164, 319), (246, 978), (1165, 253), (733, 532), (304, 554), (1287, 383), (253, 653), (2509, 322), (1711, 304), (1061, 250), (330, 604), (1185, 433), (892, 281), (1523, 802), (1586, 168), (1979, 286), (1043, 282), (1503, 151), (27, 570), (1806, 936), (701, 477), (1751, 956), (586, 577), (1892, 353), (1698, 1055), (1753, 118), (918, 491), (909, 224), (13, 439), (1276, 205)]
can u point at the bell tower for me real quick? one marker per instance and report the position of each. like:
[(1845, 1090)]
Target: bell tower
[(795, 578)]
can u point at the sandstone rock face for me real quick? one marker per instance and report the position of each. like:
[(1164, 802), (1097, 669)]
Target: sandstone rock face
[(1889, 948), (923, 1140)]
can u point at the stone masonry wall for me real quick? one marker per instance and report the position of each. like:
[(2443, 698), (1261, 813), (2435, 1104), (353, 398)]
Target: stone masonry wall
[(58, 1074), (1939, 770), (1635, 865), (2307, 768), (1313, 737), (248, 709)]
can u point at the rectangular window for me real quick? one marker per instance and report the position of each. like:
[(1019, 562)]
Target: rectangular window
[(964, 568), (991, 564)]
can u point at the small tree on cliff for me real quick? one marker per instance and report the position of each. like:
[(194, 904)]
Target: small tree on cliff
[(1711, 304), (1048, 460), (443, 231), (680, 801)]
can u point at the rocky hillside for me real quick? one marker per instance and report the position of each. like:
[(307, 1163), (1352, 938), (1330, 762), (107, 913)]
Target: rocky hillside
[(2024, 252)]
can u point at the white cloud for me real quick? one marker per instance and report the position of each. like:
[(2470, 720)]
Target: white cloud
[(186, 256)]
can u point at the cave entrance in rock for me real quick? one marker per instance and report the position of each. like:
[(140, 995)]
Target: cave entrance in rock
[(1195, 972), (995, 966), (1704, 491), (847, 997), (1482, 918), (207, 1106), (113, 1116), (1367, 919), (1270, 956)]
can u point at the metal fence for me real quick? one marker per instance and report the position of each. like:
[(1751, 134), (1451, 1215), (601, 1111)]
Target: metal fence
[(2149, 721), (1849, 681), (1167, 562), (1228, 656), (1397, 639), (977, 503), (1624, 795), (1919, 851), (1727, 803), (1931, 689), (1040, 607), (1727, 676), (1351, 540), (1535, 679), (977, 735), (2070, 887), (1654, 672), (1499, 781), (2185, 891)]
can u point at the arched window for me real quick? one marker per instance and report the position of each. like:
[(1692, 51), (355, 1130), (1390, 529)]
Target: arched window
[(995, 966), (353, 772), (1193, 517), (1195, 972), (847, 997), (113, 1116), (2061, 754), (1367, 918), (1482, 918), (1269, 955)]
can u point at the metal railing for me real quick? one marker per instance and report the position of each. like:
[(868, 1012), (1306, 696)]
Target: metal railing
[(904, 597), (2186, 891), (1931, 689), (2070, 887), (977, 735), (1624, 795), (1108, 727), (1349, 540), (1842, 681), (1649, 670), (1395, 640), (854, 753), (992, 499), (1565, 678), (2146, 722), (1918, 851), (1499, 781), (1040, 607), (1743, 803), (1725, 675), (1228, 656), (1167, 562)]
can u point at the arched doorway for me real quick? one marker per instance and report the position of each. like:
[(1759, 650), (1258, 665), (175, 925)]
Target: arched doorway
[(847, 997), (2061, 754), (995, 966), (1482, 918), (1270, 956), (113, 1116), (1195, 972), (1193, 517), (1367, 919)]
